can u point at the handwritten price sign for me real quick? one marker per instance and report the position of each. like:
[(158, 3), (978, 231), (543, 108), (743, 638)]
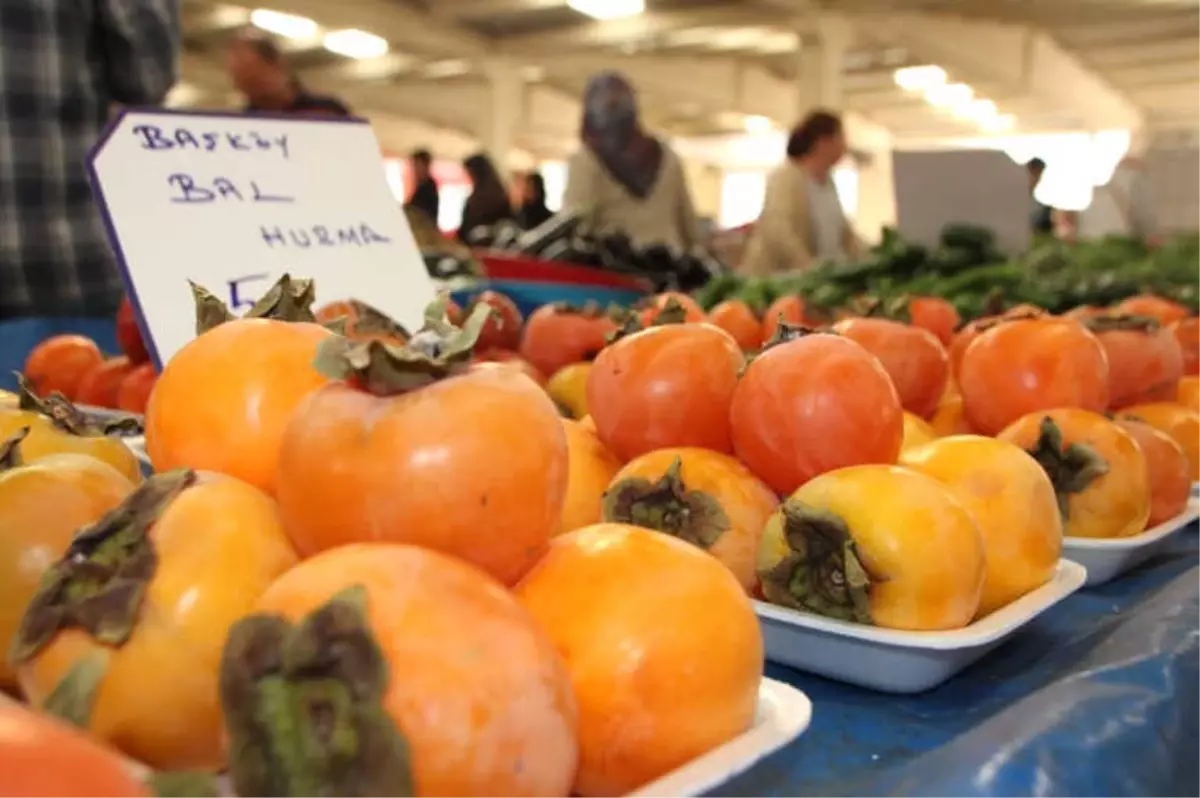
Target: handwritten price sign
[(232, 202)]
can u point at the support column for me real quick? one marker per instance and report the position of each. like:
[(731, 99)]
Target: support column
[(824, 41), (505, 110)]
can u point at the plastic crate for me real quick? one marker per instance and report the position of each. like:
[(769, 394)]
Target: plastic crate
[(503, 266)]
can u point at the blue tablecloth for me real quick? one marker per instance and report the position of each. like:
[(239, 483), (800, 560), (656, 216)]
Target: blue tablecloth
[(1098, 696), (18, 337)]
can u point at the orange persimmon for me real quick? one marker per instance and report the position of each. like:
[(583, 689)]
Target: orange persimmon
[(913, 357), (948, 418), (665, 386), (568, 388), (163, 577), (1166, 467), (223, 401), (361, 321), (1187, 393), (43, 758), (1098, 471), (101, 383), (59, 364), (133, 394), (1012, 501), (935, 315), (788, 309), (1165, 310), (917, 432), (1030, 364), (420, 675), (414, 445), (705, 498), (909, 557), (662, 646), (1144, 361), (590, 469), (670, 305), (736, 318), (559, 335), (56, 426), (504, 323), (42, 505), (1187, 335), (1179, 422), (811, 405)]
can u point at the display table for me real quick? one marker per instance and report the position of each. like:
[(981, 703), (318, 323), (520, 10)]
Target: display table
[(1098, 697)]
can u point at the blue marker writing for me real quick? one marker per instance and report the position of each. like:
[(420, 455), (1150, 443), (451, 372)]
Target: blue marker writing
[(153, 137), (236, 300)]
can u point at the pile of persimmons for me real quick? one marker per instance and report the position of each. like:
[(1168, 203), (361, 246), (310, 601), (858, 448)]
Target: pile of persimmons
[(373, 561)]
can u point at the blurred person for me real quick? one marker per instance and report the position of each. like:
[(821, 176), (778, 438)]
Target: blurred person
[(802, 222), (1041, 217), (63, 66), (424, 195), (1124, 206), (624, 180), (488, 201), (258, 70), (531, 201)]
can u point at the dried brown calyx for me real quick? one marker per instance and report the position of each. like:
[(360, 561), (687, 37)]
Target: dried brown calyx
[(589, 309), (303, 706), (367, 320), (1122, 322), (10, 450), (98, 587), (894, 308), (786, 332), (667, 506), (1072, 468), (1019, 313), (437, 351), (289, 299), (822, 572), (70, 419)]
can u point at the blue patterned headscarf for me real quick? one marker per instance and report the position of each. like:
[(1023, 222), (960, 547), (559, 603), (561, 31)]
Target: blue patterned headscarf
[(612, 132)]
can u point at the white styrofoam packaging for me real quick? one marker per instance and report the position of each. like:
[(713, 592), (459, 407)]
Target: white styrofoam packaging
[(894, 661), (1108, 558), (1196, 488), (783, 714)]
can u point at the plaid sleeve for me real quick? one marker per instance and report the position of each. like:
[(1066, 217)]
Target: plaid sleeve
[(141, 48)]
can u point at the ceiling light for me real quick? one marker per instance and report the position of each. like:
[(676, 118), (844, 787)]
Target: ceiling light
[(450, 68), (355, 43), (608, 9), (289, 26), (919, 78), (999, 124), (952, 95), (758, 125), (979, 110)]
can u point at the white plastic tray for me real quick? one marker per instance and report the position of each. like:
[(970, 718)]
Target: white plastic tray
[(894, 661), (783, 715), (1108, 558), (1196, 488)]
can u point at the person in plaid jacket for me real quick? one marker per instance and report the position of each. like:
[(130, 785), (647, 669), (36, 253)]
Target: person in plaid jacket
[(64, 66)]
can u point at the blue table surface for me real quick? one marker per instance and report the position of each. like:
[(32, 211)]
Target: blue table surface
[(1098, 696)]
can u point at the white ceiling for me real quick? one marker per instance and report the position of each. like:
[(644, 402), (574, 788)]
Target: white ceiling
[(700, 66)]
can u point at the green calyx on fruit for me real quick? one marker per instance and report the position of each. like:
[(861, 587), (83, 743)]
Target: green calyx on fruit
[(786, 332), (822, 572), (872, 307), (1123, 322), (590, 309), (437, 351), (99, 583), (1072, 468), (10, 450), (628, 322), (667, 506), (303, 706), (369, 320), (288, 300), (672, 312), (68, 418)]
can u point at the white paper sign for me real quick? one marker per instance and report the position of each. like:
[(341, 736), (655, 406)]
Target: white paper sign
[(980, 187), (233, 201)]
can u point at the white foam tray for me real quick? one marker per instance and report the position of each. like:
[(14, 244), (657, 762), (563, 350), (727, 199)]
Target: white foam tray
[(894, 661), (1108, 558), (783, 715), (1196, 488)]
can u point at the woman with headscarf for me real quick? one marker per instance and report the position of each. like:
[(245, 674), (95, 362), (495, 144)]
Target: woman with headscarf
[(488, 201), (531, 202), (624, 180)]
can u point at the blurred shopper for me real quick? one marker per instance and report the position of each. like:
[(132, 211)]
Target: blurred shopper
[(1124, 206), (258, 70), (63, 66), (531, 201), (488, 201), (802, 222), (424, 195), (1041, 217), (624, 180)]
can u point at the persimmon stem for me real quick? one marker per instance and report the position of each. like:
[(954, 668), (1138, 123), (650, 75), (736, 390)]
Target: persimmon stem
[(68, 418), (303, 706), (668, 506), (822, 572), (1072, 468)]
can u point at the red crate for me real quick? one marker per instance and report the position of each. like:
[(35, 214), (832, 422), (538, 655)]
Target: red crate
[(503, 266)]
